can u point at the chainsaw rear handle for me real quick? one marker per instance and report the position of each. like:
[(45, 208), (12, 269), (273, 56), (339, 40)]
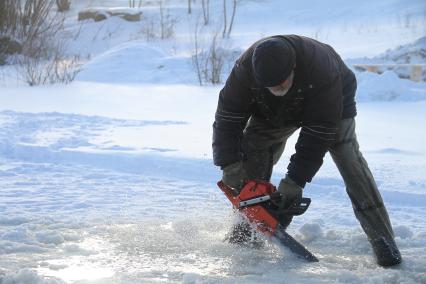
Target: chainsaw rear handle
[(257, 192), (298, 208)]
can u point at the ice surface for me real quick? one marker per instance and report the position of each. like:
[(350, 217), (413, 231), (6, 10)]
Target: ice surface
[(110, 179)]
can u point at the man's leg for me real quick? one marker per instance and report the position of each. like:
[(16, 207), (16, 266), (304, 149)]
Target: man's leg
[(365, 197), (263, 145)]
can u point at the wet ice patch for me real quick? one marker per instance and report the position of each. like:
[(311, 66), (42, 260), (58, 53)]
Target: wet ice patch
[(75, 249), (49, 237), (18, 235), (13, 220), (9, 247), (26, 276)]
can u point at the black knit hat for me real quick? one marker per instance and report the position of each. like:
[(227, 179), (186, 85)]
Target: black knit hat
[(273, 60)]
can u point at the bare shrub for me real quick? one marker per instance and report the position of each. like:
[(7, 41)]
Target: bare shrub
[(148, 28), (37, 26), (216, 57), (209, 56), (167, 22), (9, 16), (189, 7), (159, 27), (30, 22), (132, 3), (49, 70), (227, 29), (55, 70), (205, 4), (197, 53)]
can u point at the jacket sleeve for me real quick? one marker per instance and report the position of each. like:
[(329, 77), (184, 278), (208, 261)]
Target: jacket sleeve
[(319, 127), (232, 114)]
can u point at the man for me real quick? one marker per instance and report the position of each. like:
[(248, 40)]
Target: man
[(281, 84)]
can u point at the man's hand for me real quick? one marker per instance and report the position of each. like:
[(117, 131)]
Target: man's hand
[(288, 193), (234, 176)]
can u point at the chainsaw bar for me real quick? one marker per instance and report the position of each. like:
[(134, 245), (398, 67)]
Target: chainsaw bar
[(293, 245)]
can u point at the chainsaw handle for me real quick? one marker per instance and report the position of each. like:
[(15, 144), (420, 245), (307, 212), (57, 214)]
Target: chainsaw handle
[(297, 208)]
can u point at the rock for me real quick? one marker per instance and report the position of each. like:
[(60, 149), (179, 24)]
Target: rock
[(91, 14), (100, 14), (131, 17)]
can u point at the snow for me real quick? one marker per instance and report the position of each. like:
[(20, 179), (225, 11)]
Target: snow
[(28, 276), (147, 64), (404, 55), (410, 53), (388, 87), (110, 179)]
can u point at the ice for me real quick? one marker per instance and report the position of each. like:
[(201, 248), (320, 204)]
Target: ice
[(25, 276), (110, 179), (404, 232), (50, 237), (388, 87)]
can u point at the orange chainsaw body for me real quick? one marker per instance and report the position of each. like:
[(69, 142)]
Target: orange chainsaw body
[(256, 214)]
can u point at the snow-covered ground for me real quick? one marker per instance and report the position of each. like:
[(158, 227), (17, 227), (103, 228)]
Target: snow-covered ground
[(110, 179)]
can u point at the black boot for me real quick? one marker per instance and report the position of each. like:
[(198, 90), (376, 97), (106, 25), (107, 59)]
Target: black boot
[(244, 235), (386, 252)]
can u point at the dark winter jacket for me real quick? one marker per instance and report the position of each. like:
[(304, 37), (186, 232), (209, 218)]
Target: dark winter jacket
[(323, 93)]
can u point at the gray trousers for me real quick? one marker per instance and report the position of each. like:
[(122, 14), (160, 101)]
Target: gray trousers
[(264, 144)]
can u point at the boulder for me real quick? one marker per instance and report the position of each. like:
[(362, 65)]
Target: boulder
[(91, 14), (131, 17), (100, 14)]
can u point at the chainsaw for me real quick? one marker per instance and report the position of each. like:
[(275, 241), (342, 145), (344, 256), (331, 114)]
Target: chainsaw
[(254, 202)]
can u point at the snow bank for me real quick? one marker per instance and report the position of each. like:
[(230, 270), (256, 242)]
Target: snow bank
[(388, 87), (136, 63), (412, 53), (139, 63)]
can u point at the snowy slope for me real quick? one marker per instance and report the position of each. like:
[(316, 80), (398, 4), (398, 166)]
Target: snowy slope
[(86, 196), (138, 63), (110, 179)]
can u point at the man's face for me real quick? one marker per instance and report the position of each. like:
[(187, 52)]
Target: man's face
[(283, 88)]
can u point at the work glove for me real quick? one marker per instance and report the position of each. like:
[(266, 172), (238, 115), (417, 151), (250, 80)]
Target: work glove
[(288, 193), (234, 176)]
